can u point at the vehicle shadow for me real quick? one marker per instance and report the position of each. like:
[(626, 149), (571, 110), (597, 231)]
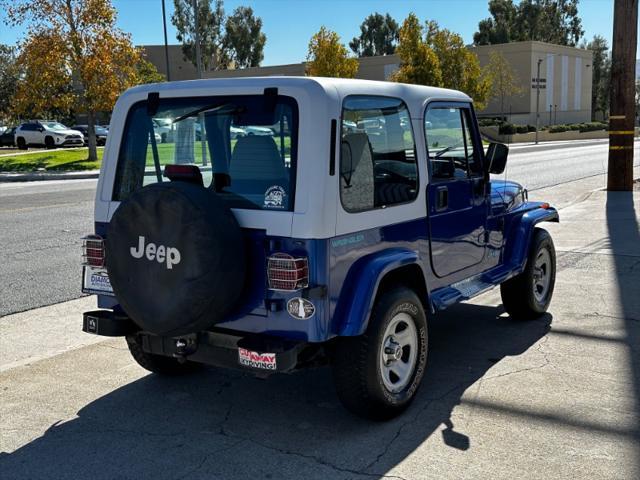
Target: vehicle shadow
[(220, 424)]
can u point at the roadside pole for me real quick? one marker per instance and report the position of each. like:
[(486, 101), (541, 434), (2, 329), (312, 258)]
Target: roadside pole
[(196, 27), (622, 107), (538, 100), (197, 37), (166, 43)]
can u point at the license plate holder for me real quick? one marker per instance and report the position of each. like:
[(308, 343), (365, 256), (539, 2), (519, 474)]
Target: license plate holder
[(95, 281)]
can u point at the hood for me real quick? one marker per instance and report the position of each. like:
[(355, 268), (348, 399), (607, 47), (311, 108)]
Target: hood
[(505, 195)]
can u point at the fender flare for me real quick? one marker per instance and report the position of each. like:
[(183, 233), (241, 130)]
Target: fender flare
[(353, 308), (521, 233)]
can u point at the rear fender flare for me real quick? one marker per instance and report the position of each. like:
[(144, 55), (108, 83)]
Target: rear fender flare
[(351, 316)]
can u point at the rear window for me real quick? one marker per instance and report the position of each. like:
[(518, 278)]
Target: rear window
[(245, 147)]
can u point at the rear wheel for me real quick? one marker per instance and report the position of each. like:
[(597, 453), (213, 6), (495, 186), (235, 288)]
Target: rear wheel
[(528, 295), (378, 373), (157, 363), (22, 145)]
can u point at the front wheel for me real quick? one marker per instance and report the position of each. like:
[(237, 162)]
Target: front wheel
[(158, 363), (528, 295), (377, 374)]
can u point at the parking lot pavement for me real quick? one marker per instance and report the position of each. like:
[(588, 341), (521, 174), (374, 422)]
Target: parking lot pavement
[(553, 398)]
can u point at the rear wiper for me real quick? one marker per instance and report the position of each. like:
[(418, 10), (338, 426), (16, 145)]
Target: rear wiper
[(208, 108)]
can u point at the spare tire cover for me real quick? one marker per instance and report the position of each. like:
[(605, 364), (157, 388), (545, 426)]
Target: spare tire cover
[(175, 258)]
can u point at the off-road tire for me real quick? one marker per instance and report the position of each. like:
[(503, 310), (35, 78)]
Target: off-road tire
[(159, 364), (517, 293), (49, 143), (356, 365), (21, 143)]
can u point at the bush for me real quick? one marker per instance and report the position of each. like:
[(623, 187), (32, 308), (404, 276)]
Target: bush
[(531, 128), (575, 127), (507, 129), (593, 126), (558, 129), (522, 129), (490, 122)]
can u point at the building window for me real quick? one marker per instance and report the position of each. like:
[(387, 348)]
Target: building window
[(377, 154)]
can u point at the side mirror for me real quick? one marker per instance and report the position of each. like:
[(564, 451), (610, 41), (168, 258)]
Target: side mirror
[(496, 157), (41, 129)]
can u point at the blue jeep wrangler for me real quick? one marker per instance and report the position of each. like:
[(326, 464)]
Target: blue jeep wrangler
[(289, 222)]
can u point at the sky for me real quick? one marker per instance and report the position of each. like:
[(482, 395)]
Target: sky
[(288, 24)]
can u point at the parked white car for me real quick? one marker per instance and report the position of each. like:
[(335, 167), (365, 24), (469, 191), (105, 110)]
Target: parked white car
[(47, 133), (254, 130)]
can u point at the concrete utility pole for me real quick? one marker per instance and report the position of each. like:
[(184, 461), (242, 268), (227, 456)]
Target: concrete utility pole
[(197, 38), (538, 100), (622, 108), (166, 43)]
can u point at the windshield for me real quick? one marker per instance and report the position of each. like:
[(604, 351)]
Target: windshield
[(54, 126), (245, 147)]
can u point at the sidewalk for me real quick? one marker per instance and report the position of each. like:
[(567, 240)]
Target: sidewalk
[(558, 397), (37, 176)]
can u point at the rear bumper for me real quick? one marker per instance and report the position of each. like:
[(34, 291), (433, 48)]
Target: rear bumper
[(260, 354)]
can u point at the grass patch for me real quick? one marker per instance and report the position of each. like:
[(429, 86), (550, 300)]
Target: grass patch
[(51, 160)]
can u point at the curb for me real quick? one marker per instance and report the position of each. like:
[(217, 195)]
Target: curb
[(34, 177)]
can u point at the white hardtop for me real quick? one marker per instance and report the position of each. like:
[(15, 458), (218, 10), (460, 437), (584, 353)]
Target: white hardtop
[(318, 212), (415, 96)]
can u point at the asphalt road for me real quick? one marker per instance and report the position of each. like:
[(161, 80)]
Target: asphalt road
[(42, 222)]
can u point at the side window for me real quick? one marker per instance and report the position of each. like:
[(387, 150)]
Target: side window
[(29, 127), (377, 154), (450, 144)]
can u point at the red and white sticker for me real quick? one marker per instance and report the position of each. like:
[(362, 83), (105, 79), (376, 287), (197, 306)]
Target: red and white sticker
[(265, 361)]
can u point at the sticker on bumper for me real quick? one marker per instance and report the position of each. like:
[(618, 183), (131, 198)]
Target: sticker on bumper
[(300, 308), (265, 361)]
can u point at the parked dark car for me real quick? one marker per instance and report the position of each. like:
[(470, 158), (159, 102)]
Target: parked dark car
[(101, 134), (7, 138)]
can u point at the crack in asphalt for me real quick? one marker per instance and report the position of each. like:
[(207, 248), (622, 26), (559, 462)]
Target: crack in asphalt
[(410, 422)]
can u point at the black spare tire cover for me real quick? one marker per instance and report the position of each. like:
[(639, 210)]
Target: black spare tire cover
[(175, 257)]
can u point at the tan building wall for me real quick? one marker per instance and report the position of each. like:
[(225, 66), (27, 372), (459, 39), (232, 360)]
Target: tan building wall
[(181, 69), (565, 79)]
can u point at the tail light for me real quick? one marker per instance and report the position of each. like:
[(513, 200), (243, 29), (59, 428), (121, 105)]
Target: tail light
[(287, 273), (93, 251)]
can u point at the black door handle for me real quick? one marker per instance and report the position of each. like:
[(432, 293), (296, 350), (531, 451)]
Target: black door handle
[(442, 201)]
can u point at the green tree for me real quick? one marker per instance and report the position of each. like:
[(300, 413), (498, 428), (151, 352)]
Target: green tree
[(244, 38), (600, 75), (378, 36), (328, 57), (438, 57), (552, 21), (9, 78), (211, 19), (497, 28), (419, 64), (74, 58), (504, 81), (147, 72)]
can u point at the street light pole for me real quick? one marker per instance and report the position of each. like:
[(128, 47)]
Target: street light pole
[(538, 100), (166, 43), (197, 38)]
